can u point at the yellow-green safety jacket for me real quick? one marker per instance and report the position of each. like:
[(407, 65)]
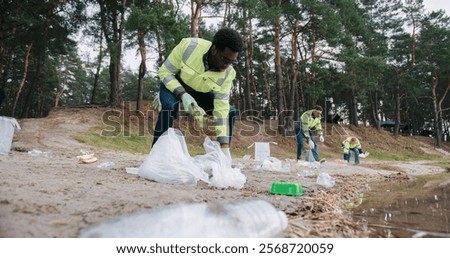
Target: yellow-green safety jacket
[(309, 122), (346, 146), (186, 63)]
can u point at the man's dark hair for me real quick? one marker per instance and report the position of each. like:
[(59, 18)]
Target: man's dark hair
[(318, 107), (227, 37)]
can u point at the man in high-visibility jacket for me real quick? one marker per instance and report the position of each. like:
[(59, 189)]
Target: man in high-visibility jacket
[(199, 73), (309, 121), (353, 144)]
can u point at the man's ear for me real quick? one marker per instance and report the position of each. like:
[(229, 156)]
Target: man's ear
[(213, 50)]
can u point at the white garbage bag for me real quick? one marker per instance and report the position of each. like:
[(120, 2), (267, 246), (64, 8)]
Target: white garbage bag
[(218, 166), (169, 161), (7, 127)]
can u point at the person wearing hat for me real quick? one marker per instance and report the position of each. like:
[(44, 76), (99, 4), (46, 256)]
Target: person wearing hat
[(304, 131), (353, 144)]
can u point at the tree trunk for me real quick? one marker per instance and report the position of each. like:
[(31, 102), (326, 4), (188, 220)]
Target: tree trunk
[(196, 12), (354, 109), (267, 87), (98, 68), (142, 70), (247, 83), (112, 21), (437, 106), (279, 76), (63, 76), (397, 104), (24, 78), (295, 72)]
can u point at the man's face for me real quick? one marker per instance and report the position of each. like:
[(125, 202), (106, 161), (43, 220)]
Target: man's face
[(222, 59), (317, 113)]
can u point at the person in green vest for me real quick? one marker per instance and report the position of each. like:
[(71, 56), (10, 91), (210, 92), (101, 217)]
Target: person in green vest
[(199, 74), (353, 144), (304, 131)]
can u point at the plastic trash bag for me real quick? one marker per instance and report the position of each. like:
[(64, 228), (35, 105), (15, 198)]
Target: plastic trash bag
[(325, 179), (218, 166), (276, 165), (311, 144), (169, 161), (7, 127), (236, 219), (309, 156)]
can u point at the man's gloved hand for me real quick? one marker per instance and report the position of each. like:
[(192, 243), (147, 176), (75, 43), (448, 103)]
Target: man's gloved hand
[(321, 138), (227, 153), (199, 115), (188, 103), (157, 102), (311, 144)]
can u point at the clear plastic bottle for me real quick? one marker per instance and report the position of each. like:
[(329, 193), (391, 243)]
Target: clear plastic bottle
[(236, 219), (39, 153), (325, 179)]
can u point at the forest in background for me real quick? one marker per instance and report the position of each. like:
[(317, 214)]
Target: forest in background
[(370, 62)]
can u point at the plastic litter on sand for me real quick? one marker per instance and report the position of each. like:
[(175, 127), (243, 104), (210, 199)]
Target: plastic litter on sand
[(241, 218)]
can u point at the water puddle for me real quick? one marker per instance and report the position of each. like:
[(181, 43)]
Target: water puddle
[(407, 209)]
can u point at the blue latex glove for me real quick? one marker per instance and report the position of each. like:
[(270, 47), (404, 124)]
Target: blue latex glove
[(188, 103)]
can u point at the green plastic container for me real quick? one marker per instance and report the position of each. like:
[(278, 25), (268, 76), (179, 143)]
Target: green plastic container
[(286, 188)]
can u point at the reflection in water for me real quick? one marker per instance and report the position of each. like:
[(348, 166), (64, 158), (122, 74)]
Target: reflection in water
[(410, 209)]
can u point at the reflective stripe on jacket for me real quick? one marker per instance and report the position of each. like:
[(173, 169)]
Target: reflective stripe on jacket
[(186, 63), (309, 122)]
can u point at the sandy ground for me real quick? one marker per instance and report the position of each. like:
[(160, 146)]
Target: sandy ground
[(56, 196)]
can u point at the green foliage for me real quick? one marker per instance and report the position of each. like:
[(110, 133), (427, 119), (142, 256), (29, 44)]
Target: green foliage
[(103, 89), (399, 156), (130, 82), (132, 143), (345, 49)]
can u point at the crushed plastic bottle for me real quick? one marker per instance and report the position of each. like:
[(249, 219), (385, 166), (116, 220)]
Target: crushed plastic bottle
[(39, 153), (305, 173), (106, 165), (276, 165), (236, 219), (326, 180)]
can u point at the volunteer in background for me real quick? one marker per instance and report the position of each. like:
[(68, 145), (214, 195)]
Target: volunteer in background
[(353, 144), (199, 73), (309, 121)]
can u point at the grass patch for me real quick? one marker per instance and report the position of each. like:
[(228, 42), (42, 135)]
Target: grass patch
[(139, 144), (434, 179), (241, 152), (132, 143), (444, 164), (390, 156)]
